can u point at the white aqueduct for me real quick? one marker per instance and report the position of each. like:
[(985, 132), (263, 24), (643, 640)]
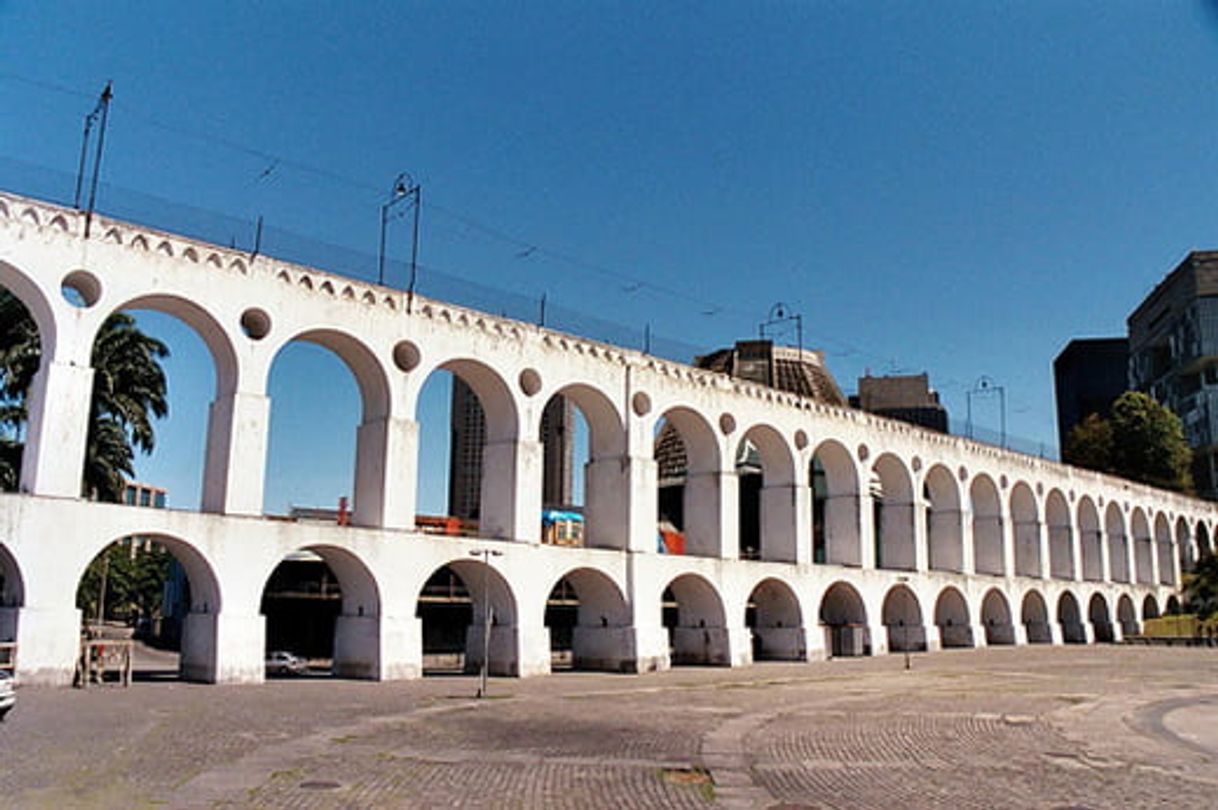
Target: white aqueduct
[(930, 540)]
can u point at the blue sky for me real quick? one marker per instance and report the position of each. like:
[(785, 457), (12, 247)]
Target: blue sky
[(951, 187)]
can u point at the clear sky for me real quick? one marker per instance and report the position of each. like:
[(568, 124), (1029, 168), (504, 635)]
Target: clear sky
[(950, 187)]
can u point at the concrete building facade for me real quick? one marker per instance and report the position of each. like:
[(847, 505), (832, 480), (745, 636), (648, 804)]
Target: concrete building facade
[(907, 397), (1173, 355), (962, 544), (1088, 375)]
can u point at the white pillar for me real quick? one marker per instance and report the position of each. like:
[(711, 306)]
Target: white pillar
[(921, 541), (515, 649), (385, 464), (48, 643), (380, 648), (511, 490), (844, 532), (54, 456), (235, 463), (223, 648), (786, 519), (607, 502), (711, 525)]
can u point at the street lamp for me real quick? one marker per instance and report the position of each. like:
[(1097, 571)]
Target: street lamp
[(904, 630), (485, 555), (986, 386), (404, 187)]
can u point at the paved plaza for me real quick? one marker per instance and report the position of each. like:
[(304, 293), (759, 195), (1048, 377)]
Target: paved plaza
[(1073, 727)]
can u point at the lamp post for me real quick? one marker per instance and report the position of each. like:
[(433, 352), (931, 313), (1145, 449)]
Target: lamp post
[(404, 187), (986, 386), (904, 630), (485, 555)]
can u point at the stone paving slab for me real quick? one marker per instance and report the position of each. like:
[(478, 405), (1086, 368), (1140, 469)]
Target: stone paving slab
[(1030, 727)]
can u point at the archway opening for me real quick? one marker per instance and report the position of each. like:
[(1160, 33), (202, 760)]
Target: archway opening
[(1101, 623), (844, 618), (987, 526), (952, 619), (694, 618), (19, 365), (1034, 615), (689, 485), (892, 501), (158, 598), (766, 479), (582, 492), (1143, 549), (945, 544), (1026, 523), (1128, 617), (1185, 551), (1203, 540), (322, 606), (774, 618), (468, 614), (589, 624), (1071, 621), (1173, 606), (1150, 608), (1061, 536), (1091, 540), (12, 598), (468, 435), (835, 506), (1118, 544), (902, 616), (996, 618)]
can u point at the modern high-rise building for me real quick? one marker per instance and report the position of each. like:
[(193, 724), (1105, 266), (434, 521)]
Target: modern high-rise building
[(1088, 375), (468, 437), (1173, 355)]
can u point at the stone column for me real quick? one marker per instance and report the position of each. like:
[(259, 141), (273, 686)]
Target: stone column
[(711, 525), (386, 459), (921, 540), (511, 490), (515, 650), (223, 648), (48, 644), (844, 532), (234, 468), (54, 456), (786, 523)]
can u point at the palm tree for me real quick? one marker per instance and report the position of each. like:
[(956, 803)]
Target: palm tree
[(128, 392)]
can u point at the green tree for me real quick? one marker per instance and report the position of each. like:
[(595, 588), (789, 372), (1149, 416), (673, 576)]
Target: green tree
[(134, 574), (1089, 444), (1142, 441), (128, 393), (1201, 587)]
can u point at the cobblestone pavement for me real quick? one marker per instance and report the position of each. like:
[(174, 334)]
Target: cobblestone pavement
[(1036, 727)]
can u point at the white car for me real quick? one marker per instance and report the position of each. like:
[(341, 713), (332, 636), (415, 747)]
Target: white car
[(8, 697), (281, 662)]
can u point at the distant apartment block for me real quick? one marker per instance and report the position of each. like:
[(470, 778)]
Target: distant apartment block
[(907, 397), (1088, 375)]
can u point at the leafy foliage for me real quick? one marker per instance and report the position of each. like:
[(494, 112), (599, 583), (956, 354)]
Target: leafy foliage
[(128, 393), (1142, 441), (134, 578), (1201, 587)]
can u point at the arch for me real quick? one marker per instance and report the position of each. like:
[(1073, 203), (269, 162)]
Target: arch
[(347, 631), (1143, 548), (1070, 620), (1150, 607), (201, 601), (776, 620), (1202, 538), (203, 322), (1099, 617), (1173, 605), (1091, 540), (952, 619), (697, 629), (1163, 551), (1186, 552), (364, 364), (1034, 615), (1118, 544), (1128, 617), (902, 615), (690, 480), (844, 617), (765, 467), (606, 434), (996, 618), (1025, 519), (893, 510), (944, 534), (1061, 535), (12, 594), (31, 296), (835, 505), (486, 588), (599, 635), (987, 526)]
